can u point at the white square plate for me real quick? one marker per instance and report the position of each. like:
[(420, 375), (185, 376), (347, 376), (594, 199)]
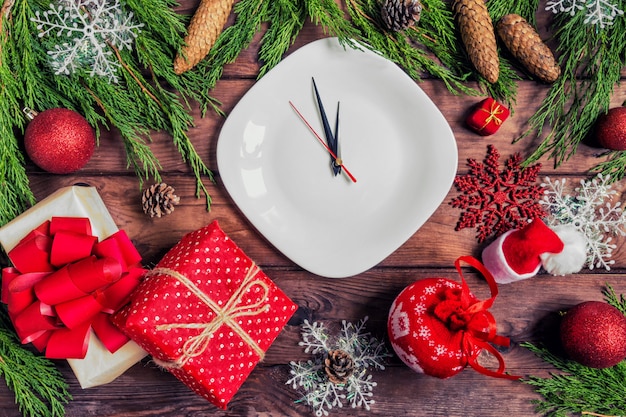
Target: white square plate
[(393, 139)]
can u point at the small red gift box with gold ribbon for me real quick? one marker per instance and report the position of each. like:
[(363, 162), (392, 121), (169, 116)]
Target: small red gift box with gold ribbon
[(71, 269), (207, 313), (487, 117)]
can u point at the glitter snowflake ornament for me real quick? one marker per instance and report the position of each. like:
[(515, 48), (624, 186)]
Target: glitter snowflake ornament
[(496, 201), (90, 33), (339, 371), (598, 12), (590, 211)]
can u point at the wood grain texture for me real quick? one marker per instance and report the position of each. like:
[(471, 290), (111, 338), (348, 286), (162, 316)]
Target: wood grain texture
[(524, 311)]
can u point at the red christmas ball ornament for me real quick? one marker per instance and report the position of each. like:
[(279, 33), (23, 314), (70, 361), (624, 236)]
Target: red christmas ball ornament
[(611, 129), (59, 140), (593, 333)]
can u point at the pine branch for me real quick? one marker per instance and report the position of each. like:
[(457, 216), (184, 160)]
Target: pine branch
[(136, 106), (418, 49), (15, 193), (578, 389), (591, 60), (617, 301), (526, 9), (332, 19), (234, 39), (39, 388), (286, 18)]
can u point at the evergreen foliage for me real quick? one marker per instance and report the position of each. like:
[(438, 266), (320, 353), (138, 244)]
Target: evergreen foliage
[(577, 389), (591, 59), (40, 389)]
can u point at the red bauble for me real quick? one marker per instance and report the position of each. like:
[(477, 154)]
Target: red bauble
[(59, 140), (593, 333), (611, 129)]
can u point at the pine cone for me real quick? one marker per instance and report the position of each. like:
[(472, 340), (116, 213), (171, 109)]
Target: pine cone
[(338, 366), (159, 200), (400, 14), (205, 26), (478, 36), (527, 47)]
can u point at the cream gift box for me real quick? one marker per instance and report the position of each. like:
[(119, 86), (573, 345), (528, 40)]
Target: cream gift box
[(99, 366)]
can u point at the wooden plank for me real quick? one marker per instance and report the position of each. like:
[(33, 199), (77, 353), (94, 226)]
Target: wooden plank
[(154, 236), (524, 311)]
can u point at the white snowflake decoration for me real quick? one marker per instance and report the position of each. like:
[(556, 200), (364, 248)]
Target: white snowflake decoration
[(88, 30), (322, 394), (598, 221), (598, 12)]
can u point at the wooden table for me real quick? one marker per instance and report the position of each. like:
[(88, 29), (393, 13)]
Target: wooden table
[(525, 311)]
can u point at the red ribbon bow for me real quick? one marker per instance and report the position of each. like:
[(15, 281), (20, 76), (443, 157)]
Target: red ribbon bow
[(464, 313), (64, 283)]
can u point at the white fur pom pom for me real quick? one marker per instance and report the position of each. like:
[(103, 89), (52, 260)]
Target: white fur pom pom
[(573, 256)]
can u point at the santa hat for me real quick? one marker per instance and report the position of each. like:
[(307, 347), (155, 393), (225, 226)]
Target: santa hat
[(573, 256), (520, 253)]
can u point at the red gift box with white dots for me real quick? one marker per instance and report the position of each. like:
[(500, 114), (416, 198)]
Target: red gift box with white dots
[(207, 313)]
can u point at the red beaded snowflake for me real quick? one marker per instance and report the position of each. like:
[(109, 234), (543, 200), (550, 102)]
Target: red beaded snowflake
[(497, 201)]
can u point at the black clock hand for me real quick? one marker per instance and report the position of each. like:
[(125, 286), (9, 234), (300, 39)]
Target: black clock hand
[(330, 138)]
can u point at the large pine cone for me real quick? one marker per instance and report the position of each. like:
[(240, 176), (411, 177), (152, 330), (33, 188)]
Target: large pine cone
[(400, 14), (527, 47), (204, 28), (338, 366), (478, 36), (159, 200)]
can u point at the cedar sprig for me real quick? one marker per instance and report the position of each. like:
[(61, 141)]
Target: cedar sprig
[(15, 192), (612, 298), (234, 39), (417, 49), (328, 14), (39, 388), (578, 389), (139, 104), (527, 9), (285, 21), (591, 60)]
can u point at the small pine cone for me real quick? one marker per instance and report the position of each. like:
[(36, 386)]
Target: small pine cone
[(400, 14), (159, 200), (205, 26), (338, 366), (527, 47), (478, 36)]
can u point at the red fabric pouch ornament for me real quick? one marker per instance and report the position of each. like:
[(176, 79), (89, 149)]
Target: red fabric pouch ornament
[(487, 117), (437, 326)]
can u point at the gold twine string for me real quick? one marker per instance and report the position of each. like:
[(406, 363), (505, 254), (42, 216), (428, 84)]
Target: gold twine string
[(227, 315), (495, 110)]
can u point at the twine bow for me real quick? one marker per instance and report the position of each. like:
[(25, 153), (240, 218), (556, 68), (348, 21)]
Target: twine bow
[(227, 315), (494, 111)]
